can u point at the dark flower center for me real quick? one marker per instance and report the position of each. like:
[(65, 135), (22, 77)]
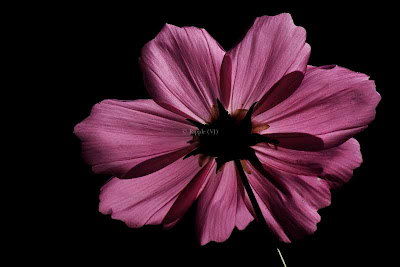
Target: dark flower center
[(228, 137)]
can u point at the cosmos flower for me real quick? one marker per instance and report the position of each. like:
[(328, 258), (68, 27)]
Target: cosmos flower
[(287, 124)]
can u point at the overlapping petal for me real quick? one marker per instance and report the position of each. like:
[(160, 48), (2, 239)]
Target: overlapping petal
[(220, 207), (335, 165), (290, 213), (181, 68), (332, 104), (148, 199), (190, 194), (272, 48), (119, 135), (312, 111)]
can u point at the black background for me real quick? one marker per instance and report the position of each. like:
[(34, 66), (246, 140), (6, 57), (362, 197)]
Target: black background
[(96, 49)]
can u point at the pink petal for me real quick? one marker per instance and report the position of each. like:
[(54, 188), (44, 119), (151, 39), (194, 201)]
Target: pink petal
[(181, 68), (147, 200), (190, 194), (345, 158), (297, 141), (243, 214), (119, 135), (271, 49), (281, 90), (293, 213), (335, 165), (332, 104), (220, 207)]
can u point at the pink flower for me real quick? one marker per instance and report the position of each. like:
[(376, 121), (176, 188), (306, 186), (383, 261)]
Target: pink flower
[(290, 124)]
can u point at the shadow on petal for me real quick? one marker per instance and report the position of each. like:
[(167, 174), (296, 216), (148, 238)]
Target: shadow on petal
[(155, 164), (281, 90), (298, 141)]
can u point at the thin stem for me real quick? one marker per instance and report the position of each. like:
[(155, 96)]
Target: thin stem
[(254, 203), (280, 255), (250, 193)]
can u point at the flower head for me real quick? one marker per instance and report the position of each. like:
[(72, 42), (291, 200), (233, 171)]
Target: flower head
[(288, 123)]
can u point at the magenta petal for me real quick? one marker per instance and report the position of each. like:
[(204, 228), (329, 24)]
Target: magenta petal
[(181, 68), (284, 88), (244, 213), (297, 141), (335, 165), (147, 200), (189, 194), (119, 135), (226, 80), (170, 225), (292, 214), (272, 48), (220, 207), (332, 103), (339, 162), (154, 164), (288, 160)]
